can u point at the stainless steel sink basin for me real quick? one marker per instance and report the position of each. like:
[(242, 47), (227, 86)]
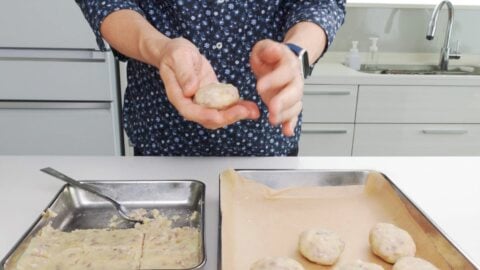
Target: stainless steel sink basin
[(419, 70)]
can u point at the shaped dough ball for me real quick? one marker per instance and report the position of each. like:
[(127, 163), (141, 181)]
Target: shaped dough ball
[(360, 265), (407, 263), (391, 243), (217, 96), (276, 263), (321, 246)]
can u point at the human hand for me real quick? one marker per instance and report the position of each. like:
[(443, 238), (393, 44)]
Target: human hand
[(279, 83), (184, 70)]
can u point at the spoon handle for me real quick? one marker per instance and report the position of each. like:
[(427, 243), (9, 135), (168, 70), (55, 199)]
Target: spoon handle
[(75, 183)]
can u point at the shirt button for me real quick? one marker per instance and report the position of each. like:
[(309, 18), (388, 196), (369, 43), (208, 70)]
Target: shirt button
[(219, 45)]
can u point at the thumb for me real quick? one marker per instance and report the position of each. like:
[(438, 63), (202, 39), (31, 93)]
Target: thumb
[(269, 51), (186, 73)]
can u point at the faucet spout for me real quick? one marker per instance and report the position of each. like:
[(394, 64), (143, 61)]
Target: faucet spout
[(445, 52)]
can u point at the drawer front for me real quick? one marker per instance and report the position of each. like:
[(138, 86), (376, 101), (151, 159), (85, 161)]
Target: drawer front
[(40, 23), (33, 79), (418, 104), (51, 129), (416, 140), (329, 103), (326, 140)]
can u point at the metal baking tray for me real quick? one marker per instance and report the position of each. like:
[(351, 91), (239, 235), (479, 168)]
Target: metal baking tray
[(279, 179), (78, 209)]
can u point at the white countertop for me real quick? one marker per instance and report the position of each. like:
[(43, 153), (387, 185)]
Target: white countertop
[(330, 71), (448, 189)]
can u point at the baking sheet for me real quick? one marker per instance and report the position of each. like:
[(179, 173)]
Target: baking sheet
[(77, 209), (258, 221)]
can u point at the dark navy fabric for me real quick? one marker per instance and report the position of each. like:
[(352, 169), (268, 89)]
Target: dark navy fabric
[(225, 32)]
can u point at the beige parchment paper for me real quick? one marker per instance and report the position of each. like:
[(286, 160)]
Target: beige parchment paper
[(258, 221)]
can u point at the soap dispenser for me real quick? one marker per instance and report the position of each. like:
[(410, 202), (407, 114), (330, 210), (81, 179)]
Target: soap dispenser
[(373, 53), (353, 59)]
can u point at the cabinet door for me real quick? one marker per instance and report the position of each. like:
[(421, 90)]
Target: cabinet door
[(416, 140), (326, 140), (52, 128), (418, 104), (329, 103), (55, 75), (44, 23)]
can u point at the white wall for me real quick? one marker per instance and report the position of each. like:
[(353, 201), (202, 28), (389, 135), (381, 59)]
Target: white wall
[(404, 29)]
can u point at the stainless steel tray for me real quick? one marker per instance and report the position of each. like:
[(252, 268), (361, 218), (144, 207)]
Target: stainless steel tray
[(279, 179), (78, 209)]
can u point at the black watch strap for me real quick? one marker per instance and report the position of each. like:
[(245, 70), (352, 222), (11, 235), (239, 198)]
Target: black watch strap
[(302, 54)]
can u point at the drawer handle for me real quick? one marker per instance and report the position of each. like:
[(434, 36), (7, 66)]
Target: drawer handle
[(324, 131), (52, 55), (326, 93), (447, 132), (30, 105)]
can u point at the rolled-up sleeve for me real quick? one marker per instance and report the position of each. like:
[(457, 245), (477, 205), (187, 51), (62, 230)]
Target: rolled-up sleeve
[(328, 14), (95, 11)]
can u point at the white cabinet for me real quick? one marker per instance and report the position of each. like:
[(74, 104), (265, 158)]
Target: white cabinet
[(417, 140), (58, 92), (57, 128), (328, 120), (418, 104), (44, 24), (417, 120), (391, 120), (329, 103), (326, 140), (51, 75)]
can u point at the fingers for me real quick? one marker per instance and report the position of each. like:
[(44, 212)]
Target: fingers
[(288, 128), (279, 77), (240, 111), (289, 113), (279, 84), (268, 51), (208, 118), (254, 111), (207, 74), (187, 66), (285, 107), (172, 87), (265, 54), (283, 101), (214, 119)]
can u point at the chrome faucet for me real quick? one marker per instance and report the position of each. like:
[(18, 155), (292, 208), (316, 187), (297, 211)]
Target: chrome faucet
[(445, 53)]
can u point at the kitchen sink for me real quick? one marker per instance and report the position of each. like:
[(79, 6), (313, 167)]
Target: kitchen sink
[(419, 70)]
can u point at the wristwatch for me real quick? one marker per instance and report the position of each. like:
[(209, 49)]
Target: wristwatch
[(302, 55)]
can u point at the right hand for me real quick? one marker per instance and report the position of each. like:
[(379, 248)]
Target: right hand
[(183, 71)]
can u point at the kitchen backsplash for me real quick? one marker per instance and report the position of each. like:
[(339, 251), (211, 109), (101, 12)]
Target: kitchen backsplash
[(404, 30)]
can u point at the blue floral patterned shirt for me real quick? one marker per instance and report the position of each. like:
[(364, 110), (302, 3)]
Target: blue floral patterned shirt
[(225, 32)]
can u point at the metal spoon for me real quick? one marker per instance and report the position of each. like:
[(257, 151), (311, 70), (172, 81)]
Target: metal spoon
[(122, 211)]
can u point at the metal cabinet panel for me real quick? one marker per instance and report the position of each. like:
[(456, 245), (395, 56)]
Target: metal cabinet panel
[(45, 128), (53, 79), (44, 23), (326, 140), (416, 140), (329, 103), (418, 104)]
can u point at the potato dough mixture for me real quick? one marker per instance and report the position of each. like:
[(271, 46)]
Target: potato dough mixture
[(407, 263), (390, 242), (276, 263), (321, 246), (156, 244), (217, 96), (360, 265)]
